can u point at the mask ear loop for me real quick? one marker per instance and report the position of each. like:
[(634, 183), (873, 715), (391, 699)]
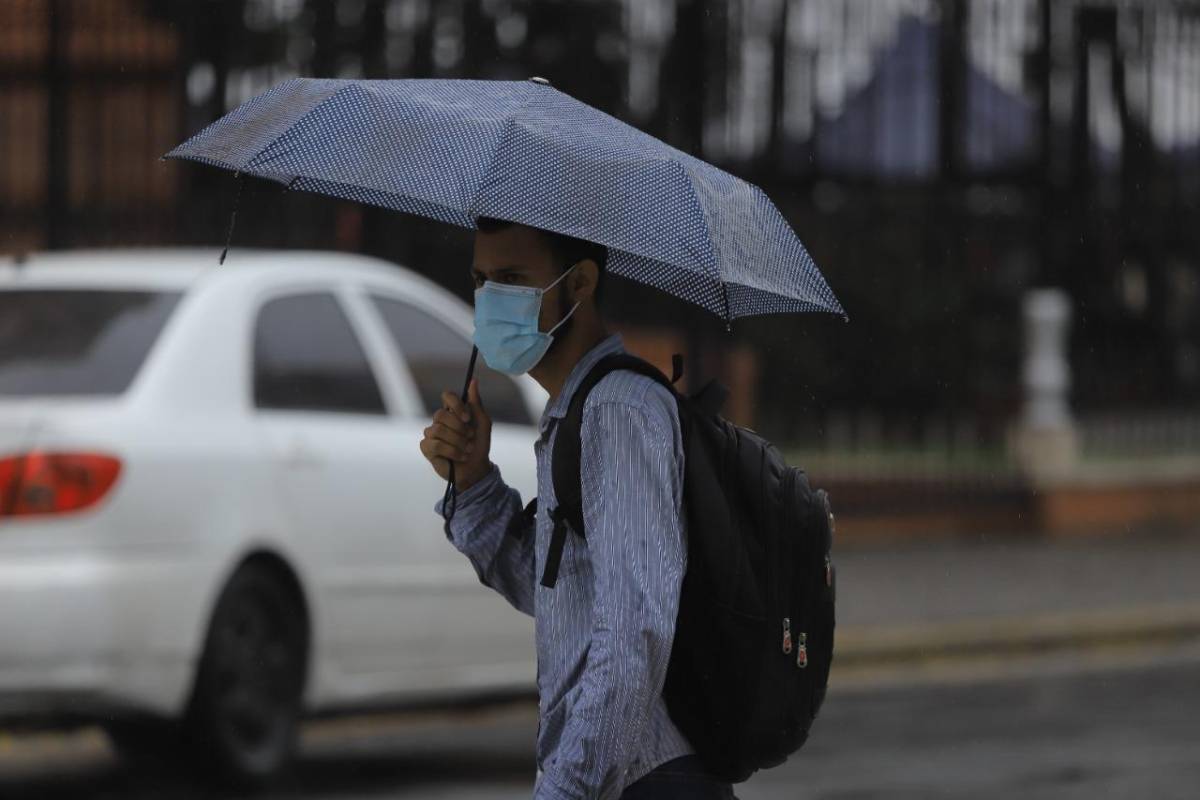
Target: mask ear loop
[(559, 279), (562, 321), (566, 316)]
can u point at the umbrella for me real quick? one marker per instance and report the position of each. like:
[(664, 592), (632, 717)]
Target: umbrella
[(456, 150)]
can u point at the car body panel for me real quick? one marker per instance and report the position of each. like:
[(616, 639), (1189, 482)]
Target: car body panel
[(109, 606)]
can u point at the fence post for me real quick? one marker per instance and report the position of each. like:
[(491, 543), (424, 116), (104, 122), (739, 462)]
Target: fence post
[(56, 223), (1045, 442)]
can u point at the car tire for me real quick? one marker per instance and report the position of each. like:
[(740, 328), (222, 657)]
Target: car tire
[(242, 720)]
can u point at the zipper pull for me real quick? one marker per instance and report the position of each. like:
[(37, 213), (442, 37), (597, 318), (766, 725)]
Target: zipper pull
[(802, 651), (787, 635), (828, 570)]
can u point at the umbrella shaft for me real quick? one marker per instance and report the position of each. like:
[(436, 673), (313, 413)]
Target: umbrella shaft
[(450, 498)]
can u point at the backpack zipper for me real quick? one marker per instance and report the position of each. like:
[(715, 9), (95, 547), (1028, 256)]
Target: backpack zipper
[(802, 597), (786, 592), (795, 596)]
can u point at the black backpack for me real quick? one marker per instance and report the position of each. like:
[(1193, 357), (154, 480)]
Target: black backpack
[(754, 636)]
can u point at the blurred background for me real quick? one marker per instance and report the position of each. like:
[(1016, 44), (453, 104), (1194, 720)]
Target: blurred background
[(1003, 194), (938, 159)]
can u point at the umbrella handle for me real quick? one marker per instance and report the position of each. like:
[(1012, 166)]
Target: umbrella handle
[(237, 200), (450, 496)]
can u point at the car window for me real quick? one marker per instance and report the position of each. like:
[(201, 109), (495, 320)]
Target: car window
[(77, 341), (306, 356), (437, 357)]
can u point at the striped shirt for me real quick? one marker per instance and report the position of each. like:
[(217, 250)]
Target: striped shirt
[(604, 633)]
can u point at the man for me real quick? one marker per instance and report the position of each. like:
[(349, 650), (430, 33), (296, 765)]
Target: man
[(604, 632)]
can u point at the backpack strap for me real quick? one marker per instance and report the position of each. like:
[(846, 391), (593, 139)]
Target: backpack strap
[(711, 398), (566, 461), (520, 522)]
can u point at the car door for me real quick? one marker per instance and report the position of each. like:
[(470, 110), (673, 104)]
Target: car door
[(338, 460), (485, 639)]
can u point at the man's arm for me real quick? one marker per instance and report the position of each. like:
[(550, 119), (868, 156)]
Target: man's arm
[(503, 559), (632, 505), (461, 433)]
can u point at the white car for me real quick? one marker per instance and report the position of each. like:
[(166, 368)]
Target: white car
[(213, 508)]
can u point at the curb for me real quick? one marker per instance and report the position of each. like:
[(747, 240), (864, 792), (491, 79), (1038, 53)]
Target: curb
[(990, 637)]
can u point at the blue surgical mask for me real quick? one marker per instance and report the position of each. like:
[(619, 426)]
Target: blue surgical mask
[(506, 325)]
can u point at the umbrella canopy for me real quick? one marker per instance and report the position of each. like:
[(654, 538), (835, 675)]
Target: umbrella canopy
[(456, 150)]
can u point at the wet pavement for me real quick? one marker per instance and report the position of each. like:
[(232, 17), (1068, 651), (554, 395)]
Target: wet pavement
[(985, 667), (1078, 727), (933, 581)]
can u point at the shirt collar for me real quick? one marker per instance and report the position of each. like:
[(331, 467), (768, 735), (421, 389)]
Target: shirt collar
[(557, 408)]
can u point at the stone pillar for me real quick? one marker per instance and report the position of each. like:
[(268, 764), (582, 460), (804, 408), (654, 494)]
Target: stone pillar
[(1044, 442)]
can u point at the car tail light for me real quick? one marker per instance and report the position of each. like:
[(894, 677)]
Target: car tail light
[(39, 482)]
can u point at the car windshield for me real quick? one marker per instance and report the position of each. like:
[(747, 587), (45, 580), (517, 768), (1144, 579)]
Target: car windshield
[(77, 341)]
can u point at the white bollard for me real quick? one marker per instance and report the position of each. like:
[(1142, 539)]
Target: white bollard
[(1045, 442)]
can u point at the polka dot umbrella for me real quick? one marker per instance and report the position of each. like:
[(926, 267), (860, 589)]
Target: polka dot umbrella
[(457, 150)]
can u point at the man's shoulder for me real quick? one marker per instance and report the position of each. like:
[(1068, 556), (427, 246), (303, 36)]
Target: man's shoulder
[(635, 391)]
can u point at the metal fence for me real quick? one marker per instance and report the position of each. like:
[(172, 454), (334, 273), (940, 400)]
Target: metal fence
[(938, 158)]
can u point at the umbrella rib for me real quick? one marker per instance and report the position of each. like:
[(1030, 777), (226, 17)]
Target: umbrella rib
[(249, 162), (486, 172), (254, 161), (708, 259), (509, 123), (257, 162)]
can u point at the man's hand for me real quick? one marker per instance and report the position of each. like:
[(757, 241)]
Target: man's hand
[(462, 434)]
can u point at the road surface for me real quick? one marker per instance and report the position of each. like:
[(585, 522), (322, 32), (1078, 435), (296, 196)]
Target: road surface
[(1063, 730)]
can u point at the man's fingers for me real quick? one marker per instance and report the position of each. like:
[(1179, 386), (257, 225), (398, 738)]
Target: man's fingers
[(453, 421), (450, 401), (478, 413), (473, 394), (450, 437), (436, 448), (449, 451)]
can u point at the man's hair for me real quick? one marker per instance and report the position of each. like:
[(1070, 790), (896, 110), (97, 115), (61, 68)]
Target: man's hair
[(567, 250)]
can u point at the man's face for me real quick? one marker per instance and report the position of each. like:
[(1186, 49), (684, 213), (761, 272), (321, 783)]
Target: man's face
[(517, 255)]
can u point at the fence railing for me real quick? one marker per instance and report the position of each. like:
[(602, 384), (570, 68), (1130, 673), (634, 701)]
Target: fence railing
[(1142, 435), (864, 448)]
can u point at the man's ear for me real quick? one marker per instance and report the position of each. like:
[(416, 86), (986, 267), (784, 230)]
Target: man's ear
[(584, 279)]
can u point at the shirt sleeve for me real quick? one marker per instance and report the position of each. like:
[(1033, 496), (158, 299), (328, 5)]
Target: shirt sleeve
[(632, 491), (479, 531)]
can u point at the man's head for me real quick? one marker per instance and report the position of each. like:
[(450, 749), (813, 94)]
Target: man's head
[(566, 272), (520, 255)]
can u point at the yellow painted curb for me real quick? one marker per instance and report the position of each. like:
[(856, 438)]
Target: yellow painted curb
[(974, 638)]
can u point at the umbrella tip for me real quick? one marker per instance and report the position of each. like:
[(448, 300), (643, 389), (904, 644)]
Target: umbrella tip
[(539, 80)]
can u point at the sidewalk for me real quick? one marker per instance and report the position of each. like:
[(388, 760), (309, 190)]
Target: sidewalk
[(984, 597)]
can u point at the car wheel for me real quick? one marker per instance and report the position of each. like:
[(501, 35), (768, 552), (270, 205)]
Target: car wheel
[(245, 707)]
